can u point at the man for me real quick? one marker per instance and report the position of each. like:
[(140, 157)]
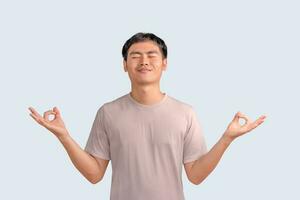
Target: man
[(147, 134)]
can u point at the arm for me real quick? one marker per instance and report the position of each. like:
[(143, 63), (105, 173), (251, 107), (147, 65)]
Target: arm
[(91, 168), (198, 170)]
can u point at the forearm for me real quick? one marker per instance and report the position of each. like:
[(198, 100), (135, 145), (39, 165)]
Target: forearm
[(84, 162), (207, 163)]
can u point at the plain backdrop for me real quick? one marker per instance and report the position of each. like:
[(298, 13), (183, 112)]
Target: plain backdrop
[(224, 57)]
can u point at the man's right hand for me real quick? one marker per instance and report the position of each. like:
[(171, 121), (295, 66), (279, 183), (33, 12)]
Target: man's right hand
[(56, 125), (91, 168)]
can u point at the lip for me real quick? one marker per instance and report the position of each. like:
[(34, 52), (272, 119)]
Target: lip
[(144, 71)]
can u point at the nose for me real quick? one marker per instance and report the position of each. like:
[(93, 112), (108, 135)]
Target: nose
[(144, 60)]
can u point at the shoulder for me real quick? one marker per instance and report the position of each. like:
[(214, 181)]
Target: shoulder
[(187, 110), (180, 105), (114, 106)]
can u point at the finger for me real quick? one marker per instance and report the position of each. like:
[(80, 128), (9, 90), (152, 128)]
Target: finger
[(34, 117), (239, 115), (236, 117), (260, 120), (34, 112), (263, 117), (257, 122), (55, 109), (39, 120), (246, 118), (47, 113)]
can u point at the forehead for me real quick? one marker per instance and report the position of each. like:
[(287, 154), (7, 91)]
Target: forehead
[(144, 47)]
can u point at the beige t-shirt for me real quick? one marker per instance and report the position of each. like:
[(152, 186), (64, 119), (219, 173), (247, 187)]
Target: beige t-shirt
[(147, 146)]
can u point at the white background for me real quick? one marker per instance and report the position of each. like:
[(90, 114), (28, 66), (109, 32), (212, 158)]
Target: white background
[(224, 57)]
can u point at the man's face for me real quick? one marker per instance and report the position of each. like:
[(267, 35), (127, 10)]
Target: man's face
[(144, 63)]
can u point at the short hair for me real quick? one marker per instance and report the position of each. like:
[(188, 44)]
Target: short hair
[(141, 37)]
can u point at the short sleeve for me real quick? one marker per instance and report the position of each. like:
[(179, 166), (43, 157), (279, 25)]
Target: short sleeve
[(194, 145), (98, 141)]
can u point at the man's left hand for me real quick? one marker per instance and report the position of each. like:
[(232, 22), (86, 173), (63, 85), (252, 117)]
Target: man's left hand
[(235, 129)]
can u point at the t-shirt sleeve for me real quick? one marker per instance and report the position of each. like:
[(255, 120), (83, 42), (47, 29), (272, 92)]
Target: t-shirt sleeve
[(194, 142), (98, 141)]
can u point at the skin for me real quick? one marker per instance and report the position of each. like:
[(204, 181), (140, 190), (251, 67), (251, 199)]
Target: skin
[(93, 169), (145, 88), (198, 170)]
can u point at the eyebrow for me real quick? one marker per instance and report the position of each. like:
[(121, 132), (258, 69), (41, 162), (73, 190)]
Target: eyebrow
[(148, 52)]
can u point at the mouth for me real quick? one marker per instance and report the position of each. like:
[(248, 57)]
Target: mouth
[(144, 71)]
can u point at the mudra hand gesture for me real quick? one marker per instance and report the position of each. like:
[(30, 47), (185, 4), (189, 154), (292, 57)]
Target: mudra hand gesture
[(235, 129), (56, 126)]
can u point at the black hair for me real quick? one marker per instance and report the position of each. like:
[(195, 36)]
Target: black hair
[(141, 37)]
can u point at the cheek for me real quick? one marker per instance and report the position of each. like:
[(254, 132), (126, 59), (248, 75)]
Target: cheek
[(156, 63), (131, 65)]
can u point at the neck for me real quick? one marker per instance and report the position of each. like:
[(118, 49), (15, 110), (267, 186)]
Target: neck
[(146, 94)]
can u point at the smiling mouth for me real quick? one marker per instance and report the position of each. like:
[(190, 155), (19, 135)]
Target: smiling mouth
[(144, 71)]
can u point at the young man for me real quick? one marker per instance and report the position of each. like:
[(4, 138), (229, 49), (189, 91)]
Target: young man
[(147, 134)]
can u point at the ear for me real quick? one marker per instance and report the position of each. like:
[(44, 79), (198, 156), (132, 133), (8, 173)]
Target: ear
[(124, 65), (164, 65)]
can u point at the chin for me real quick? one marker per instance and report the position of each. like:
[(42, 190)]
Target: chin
[(145, 82)]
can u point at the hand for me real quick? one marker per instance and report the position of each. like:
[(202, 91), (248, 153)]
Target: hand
[(235, 130), (56, 126)]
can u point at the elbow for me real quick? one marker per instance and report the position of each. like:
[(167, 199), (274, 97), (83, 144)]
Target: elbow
[(94, 182), (94, 179), (196, 182)]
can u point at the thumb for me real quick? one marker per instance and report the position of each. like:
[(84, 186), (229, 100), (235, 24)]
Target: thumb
[(55, 109), (236, 117)]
